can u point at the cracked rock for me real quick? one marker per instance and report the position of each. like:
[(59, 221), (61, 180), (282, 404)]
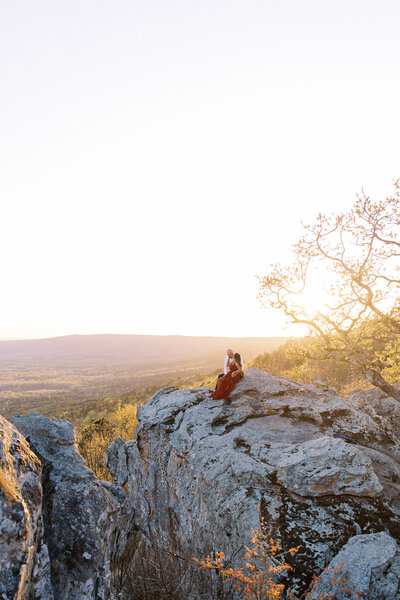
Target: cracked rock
[(80, 514), (320, 468)]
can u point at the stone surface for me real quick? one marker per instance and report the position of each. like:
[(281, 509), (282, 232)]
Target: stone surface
[(377, 402), (368, 566), (20, 516), (322, 469), (326, 466), (80, 514), (324, 472), (41, 587)]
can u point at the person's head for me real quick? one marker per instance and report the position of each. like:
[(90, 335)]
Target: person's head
[(237, 358), (230, 352)]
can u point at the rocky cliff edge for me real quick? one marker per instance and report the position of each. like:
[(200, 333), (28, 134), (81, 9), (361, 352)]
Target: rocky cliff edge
[(324, 472), (322, 469)]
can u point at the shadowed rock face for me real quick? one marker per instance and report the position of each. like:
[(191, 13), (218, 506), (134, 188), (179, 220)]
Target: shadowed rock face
[(322, 469), (20, 515), (79, 513)]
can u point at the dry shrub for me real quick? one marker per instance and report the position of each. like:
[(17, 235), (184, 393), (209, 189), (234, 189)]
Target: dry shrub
[(96, 436), (146, 571), (264, 563)]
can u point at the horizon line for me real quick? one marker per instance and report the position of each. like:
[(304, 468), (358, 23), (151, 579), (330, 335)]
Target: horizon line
[(25, 339)]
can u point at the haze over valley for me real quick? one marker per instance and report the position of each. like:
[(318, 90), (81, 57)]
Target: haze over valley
[(45, 375)]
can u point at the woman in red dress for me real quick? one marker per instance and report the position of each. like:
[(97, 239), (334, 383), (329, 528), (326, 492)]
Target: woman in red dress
[(226, 384)]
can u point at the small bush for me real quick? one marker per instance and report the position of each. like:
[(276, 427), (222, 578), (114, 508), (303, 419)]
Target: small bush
[(264, 560), (95, 438)]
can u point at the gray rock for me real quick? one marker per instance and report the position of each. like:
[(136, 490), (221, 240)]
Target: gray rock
[(20, 516), (116, 460), (379, 404), (80, 514), (199, 469), (368, 566), (326, 466), (41, 588)]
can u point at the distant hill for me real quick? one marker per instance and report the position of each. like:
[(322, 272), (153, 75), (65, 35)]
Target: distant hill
[(46, 374), (133, 348)]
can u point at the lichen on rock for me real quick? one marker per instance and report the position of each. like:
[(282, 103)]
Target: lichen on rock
[(80, 514), (322, 471), (321, 468)]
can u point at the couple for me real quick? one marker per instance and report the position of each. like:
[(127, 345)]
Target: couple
[(232, 373)]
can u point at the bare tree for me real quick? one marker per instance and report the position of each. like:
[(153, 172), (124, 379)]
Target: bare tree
[(358, 255)]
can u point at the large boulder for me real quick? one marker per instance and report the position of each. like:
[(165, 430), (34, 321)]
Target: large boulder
[(381, 404), (325, 466), (368, 566), (20, 518), (80, 513), (320, 470)]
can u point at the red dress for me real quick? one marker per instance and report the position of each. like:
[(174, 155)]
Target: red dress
[(226, 384)]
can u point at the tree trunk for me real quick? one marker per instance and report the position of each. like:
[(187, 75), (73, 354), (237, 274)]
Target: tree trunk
[(377, 380)]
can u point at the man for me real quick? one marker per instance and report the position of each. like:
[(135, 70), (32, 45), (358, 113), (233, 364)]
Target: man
[(228, 360)]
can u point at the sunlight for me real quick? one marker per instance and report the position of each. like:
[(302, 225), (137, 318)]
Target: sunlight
[(315, 296)]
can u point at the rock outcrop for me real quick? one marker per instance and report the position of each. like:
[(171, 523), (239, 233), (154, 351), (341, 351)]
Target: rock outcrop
[(80, 515), (379, 403), (322, 469), (323, 472), (368, 566), (20, 514)]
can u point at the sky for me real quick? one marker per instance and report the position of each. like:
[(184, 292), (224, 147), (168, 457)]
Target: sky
[(157, 155)]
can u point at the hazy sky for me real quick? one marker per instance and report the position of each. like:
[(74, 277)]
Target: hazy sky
[(156, 155)]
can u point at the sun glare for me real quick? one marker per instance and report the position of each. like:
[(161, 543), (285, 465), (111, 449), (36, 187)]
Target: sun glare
[(315, 297)]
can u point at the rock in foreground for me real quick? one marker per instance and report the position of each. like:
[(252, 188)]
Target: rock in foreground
[(20, 512), (324, 473), (321, 469), (79, 512), (367, 567)]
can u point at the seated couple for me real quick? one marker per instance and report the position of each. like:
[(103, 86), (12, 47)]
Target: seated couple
[(232, 373)]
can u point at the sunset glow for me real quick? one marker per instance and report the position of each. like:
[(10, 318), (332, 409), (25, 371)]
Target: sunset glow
[(313, 299)]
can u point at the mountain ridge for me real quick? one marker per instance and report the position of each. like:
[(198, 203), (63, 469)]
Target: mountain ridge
[(138, 346)]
